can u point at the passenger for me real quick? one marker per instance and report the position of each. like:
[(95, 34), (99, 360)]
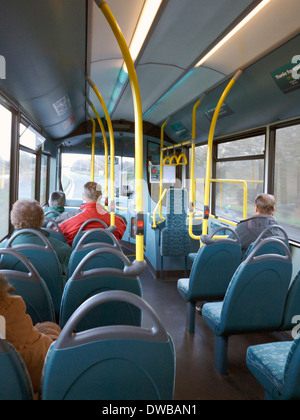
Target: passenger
[(57, 202), (29, 214), (91, 209), (248, 230), (31, 342)]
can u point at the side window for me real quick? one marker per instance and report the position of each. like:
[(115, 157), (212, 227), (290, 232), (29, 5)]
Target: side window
[(5, 129), (287, 179)]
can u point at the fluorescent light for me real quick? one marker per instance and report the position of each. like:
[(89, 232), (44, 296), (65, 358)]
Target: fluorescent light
[(148, 14), (250, 16)]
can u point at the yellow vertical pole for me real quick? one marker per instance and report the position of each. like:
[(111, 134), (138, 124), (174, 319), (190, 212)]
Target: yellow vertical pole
[(105, 151), (192, 190), (138, 125), (112, 152), (93, 149), (209, 151), (161, 166)]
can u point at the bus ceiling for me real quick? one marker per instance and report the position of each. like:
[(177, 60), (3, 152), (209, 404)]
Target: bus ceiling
[(192, 48)]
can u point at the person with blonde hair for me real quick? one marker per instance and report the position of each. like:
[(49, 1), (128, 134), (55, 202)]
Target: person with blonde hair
[(31, 342), (29, 214)]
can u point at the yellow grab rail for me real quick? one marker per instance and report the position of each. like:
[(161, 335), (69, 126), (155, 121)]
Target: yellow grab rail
[(209, 151), (154, 225), (192, 174), (112, 152), (138, 125), (233, 181), (93, 150), (105, 151)]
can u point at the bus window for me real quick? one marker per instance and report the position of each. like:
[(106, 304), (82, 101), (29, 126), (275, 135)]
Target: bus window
[(27, 175), (44, 179), (239, 160), (5, 127), (200, 169), (287, 179)]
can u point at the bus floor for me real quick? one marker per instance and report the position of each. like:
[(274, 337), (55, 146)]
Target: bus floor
[(196, 378)]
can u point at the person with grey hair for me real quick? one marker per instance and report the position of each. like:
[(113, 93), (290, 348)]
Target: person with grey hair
[(248, 230), (57, 202), (91, 209)]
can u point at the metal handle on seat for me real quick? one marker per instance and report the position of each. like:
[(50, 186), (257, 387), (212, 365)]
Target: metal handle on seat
[(32, 272), (90, 221), (35, 232), (68, 338), (79, 274), (80, 245), (208, 240), (252, 257), (270, 228)]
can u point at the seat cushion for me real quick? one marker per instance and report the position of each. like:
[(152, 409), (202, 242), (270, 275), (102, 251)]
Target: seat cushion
[(183, 288), (267, 363), (211, 313)]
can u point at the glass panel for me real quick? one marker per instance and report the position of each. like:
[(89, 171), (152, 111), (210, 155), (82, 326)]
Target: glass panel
[(245, 147), (30, 138), (43, 189), (5, 129), (27, 175), (229, 197), (287, 179), (200, 170)]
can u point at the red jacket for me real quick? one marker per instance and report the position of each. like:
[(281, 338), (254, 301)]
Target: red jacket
[(90, 211)]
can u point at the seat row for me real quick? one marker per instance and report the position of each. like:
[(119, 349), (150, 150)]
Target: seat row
[(254, 295), (117, 362)]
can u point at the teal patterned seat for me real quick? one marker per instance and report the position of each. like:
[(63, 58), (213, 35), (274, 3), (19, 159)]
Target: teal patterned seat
[(175, 240), (212, 270), (277, 367), (254, 301)]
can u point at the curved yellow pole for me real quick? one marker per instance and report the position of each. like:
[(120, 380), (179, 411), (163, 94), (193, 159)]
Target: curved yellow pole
[(192, 174), (138, 125), (161, 168), (93, 149), (112, 152), (209, 151), (105, 151)]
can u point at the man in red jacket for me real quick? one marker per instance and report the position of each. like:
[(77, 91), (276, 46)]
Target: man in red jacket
[(91, 209)]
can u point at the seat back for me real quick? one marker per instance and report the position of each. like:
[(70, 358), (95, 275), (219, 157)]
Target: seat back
[(94, 237), (31, 287), (175, 239), (85, 283), (274, 231), (111, 363), (291, 389), (214, 266), (15, 384), (100, 238), (291, 308), (256, 295), (43, 257), (53, 229)]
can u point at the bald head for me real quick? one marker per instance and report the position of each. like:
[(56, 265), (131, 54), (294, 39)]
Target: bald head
[(265, 204)]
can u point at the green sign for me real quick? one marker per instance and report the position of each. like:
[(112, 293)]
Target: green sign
[(287, 77), (224, 112)]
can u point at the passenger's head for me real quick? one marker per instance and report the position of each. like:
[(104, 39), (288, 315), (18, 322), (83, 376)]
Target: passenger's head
[(57, 199), (27, 214), (265, 204), (92, 192), (5, 287)]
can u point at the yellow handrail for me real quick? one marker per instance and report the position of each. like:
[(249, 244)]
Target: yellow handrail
[(157, 207), (161, 167), (192, 174), (112, 152), (93, 150), (209, 151), (138, 124), (105, 151), (233, 181)]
